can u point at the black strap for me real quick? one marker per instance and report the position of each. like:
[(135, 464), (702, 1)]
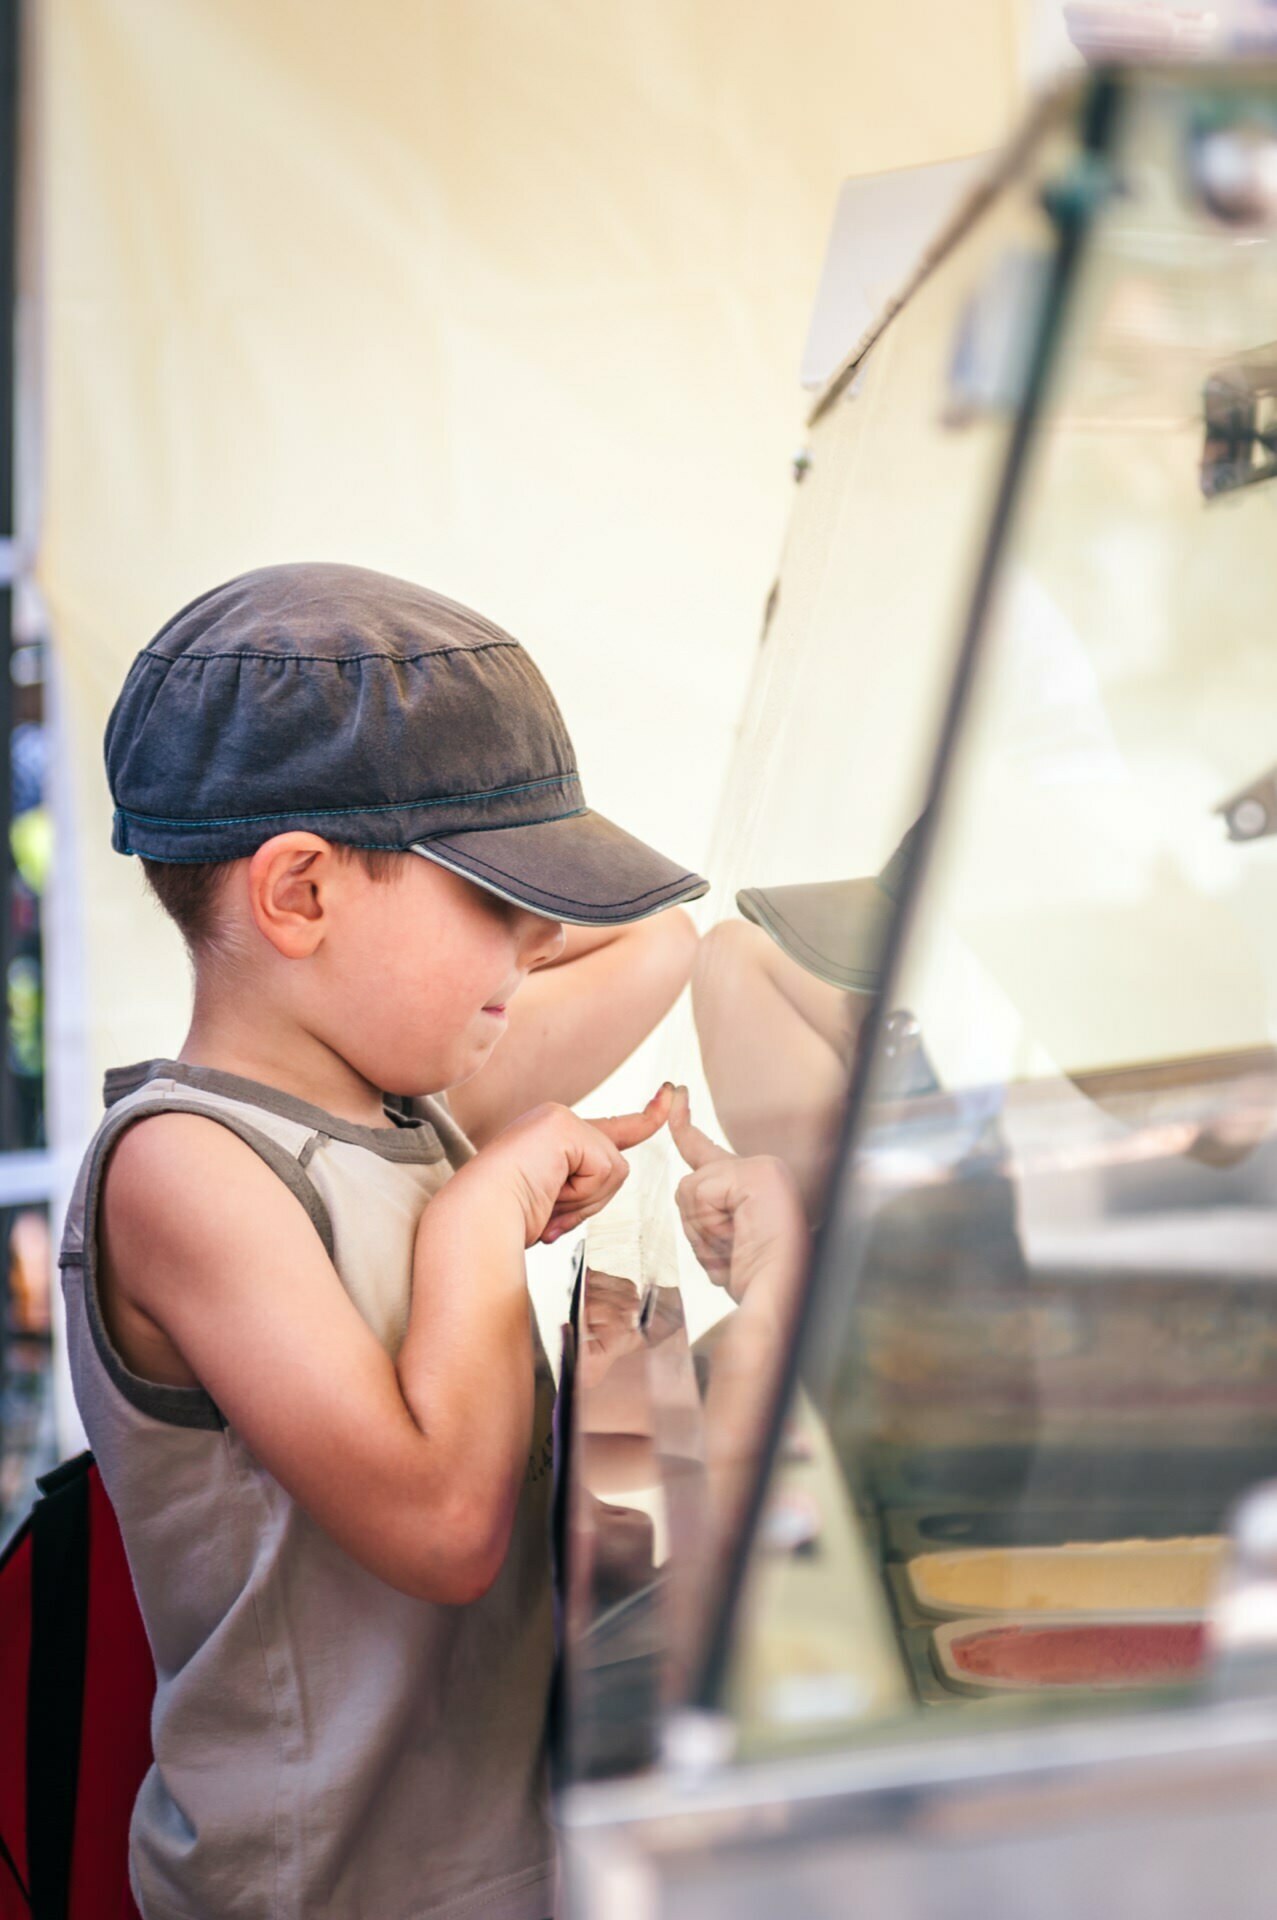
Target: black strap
[(55, 1699), (7, 1859)]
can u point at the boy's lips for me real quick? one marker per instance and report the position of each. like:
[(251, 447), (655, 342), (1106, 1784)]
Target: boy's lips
[(502, 1004)]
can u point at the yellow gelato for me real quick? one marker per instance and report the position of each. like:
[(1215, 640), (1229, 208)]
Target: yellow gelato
[(1111, 1576)]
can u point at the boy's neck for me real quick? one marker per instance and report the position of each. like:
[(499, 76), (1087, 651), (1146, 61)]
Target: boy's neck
[(293, 1062)]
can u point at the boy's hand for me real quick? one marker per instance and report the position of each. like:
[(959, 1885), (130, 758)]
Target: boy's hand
[(557, 1168)]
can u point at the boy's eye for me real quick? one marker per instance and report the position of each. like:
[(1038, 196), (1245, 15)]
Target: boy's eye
[(504, 911)]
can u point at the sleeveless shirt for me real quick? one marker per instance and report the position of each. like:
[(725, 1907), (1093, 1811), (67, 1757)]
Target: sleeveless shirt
[(325, 1747)]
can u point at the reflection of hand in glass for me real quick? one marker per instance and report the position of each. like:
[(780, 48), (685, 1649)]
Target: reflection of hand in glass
[(611, 1325), (780, 1007), (743, 1217), (776, 1043)]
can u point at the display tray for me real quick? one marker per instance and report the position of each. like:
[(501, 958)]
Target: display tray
[(1067, 1654), (933, 1687), (928, 1685), (1123, 1576)]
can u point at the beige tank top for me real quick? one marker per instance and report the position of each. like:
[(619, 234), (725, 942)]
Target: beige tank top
[(326, 1748)]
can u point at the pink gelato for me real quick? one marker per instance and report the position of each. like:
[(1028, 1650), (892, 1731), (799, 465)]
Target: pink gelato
[(1118, 1653)]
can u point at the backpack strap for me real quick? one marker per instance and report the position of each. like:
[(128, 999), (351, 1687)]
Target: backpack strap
[(15, 1648), (55, 1699)]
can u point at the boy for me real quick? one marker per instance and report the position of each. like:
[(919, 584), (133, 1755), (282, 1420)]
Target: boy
[(318, 1403)]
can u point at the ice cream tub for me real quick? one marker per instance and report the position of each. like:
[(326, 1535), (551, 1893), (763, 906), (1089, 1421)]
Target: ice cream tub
[(1036, 1653), (1084, 1577)]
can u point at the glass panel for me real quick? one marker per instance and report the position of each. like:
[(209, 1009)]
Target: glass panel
[(1042, 1358), (827, 780)]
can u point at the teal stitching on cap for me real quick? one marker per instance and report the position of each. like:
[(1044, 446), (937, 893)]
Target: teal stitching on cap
[(366, 846), (325, 659), (542, 820), (391, 806)]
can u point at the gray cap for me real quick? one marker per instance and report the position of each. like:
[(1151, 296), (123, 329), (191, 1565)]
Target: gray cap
[(376, 713), (836, 929)]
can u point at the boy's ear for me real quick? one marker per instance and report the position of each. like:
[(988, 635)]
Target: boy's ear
[(290, 880)]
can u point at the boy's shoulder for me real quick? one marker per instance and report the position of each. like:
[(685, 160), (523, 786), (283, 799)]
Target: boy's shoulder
[(171, 1182), (164, 1193), (183, 1156), (178, 1144), (162, 1134)]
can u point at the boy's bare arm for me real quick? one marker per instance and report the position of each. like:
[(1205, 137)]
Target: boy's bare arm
[(412, 1466), (575, 1020)]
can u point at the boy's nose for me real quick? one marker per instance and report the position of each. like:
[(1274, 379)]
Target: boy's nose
[(545, 940)]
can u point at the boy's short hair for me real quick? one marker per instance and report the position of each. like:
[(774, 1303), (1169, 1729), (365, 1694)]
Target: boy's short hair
[(189, 890)]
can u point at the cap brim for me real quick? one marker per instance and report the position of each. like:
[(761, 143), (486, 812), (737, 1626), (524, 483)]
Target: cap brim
[(836, 929), (582, 868)]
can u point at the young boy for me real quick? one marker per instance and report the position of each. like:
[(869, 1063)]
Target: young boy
[(297, 1318)]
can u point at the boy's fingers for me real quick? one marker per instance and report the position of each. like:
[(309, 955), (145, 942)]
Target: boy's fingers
[(579, 1199), (629, 1129), (561, 1223), (697, 1149)]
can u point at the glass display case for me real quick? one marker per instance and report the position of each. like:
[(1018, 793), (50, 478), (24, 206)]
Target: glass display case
[(920, 1526)]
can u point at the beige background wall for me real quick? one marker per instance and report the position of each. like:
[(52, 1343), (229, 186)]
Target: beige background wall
[(504, 295)]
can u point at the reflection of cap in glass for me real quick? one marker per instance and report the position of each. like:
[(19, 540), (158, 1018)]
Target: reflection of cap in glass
[(836, 929)]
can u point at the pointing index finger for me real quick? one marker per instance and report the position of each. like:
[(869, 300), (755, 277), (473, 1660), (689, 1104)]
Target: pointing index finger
[(629, 1129), (697, 1149)]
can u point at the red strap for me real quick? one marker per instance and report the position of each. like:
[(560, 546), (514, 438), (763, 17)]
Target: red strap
[(115, 1740), (15, 1655)]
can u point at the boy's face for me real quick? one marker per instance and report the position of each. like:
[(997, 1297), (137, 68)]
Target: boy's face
[(415, 973)]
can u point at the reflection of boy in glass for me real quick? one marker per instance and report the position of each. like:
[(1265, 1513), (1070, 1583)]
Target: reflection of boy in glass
[(780, 1010), (779, 1007)]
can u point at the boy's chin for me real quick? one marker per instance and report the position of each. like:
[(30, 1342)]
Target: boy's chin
[(478, 1057), (442, 1075), (466, 1053)]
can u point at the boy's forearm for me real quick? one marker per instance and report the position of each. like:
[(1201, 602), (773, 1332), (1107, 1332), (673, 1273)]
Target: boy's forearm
[(466, 1363)]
